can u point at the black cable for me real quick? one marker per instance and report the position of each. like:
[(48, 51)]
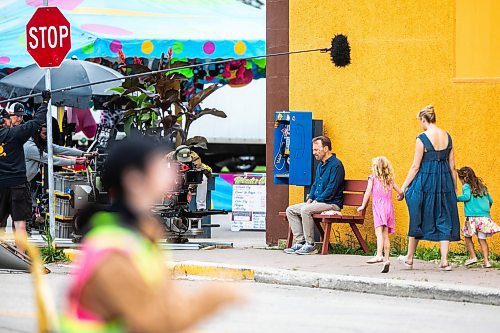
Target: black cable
[(340, 55), (160, 71)]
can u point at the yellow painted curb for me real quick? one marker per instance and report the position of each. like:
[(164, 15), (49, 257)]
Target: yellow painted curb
[(211, 270), (194, 268), (71, 254), (186, 268)]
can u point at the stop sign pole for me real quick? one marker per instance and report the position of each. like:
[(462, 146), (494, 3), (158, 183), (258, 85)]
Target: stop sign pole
[(48, 42), (50, 153)]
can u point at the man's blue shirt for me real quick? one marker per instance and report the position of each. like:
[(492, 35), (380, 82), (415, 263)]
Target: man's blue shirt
[(328, 185)]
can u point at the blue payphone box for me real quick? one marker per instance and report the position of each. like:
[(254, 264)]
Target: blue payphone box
[(293, 131)]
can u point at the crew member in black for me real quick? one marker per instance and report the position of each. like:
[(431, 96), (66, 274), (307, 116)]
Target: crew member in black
[(15, 198)]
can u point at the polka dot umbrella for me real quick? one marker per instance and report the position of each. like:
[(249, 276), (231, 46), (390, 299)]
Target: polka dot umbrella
[(193, 29)]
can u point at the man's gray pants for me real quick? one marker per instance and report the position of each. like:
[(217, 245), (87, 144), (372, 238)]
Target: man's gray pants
[(300, 218)]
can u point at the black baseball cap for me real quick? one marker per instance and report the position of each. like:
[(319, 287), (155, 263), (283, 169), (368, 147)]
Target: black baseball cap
[(17, 109)]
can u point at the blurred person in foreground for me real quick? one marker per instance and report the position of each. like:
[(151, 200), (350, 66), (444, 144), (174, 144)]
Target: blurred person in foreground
[(121, 283)]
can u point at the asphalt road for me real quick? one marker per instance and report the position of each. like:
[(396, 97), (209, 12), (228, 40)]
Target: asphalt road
[(271, 308)]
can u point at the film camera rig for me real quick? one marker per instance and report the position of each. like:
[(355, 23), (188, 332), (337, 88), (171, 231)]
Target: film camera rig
[(74, 191), (175, 210), (179, 219)]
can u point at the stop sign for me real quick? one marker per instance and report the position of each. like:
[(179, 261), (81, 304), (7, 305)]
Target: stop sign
[(48, 37)]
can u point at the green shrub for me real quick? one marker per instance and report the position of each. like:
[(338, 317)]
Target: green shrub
[(50, 253)]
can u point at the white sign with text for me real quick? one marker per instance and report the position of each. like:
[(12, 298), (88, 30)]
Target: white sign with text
[(249, 202)]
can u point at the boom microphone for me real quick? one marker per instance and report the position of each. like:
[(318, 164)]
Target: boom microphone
[(340, 52)]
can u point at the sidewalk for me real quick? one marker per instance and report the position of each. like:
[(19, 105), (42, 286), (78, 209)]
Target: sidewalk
[(336, 272), (250, 260), (348, 265), (341, 272), (249, 250)]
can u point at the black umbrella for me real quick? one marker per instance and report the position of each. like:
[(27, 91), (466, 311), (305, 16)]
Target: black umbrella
[(71, 73)]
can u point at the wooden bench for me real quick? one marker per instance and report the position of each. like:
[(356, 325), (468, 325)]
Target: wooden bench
[(354, 191)]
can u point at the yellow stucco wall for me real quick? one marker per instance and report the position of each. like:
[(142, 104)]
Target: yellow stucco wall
[(403, 58), (477, 40)]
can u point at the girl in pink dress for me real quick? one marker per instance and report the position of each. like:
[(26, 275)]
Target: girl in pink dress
[(380, 186)]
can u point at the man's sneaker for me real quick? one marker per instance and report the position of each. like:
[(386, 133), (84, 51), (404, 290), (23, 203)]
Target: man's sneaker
[(307, 249), (294, 248)]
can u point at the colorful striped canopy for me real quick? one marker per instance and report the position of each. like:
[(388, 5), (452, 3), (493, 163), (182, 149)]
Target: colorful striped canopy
[(194, 29)]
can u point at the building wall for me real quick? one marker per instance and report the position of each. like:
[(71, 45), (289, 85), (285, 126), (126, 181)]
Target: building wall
[(403, 58), (276, 99)]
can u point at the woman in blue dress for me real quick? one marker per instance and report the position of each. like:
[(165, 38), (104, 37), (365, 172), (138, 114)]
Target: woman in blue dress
[(430, 189)]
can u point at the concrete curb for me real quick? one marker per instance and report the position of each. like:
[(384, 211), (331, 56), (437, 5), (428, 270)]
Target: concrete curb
[(378, 286), (387, 287)]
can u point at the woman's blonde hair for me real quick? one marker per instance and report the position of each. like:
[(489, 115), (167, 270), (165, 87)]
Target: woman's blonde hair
[(383, 171), (428, 114)]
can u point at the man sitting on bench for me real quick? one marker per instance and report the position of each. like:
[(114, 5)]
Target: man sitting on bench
[(326, 194)]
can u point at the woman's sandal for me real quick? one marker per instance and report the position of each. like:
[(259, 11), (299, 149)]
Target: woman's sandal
[(487, 266), (385, 269), (404, 260), (471, 261), (446, 268), (375, 260)]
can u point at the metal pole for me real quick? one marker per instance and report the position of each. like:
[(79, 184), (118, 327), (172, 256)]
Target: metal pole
[(50, 153)]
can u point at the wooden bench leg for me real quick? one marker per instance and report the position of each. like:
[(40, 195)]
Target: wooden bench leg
[(325, 236), (320, 228), (360, 238), (326, 239), (289, 238)]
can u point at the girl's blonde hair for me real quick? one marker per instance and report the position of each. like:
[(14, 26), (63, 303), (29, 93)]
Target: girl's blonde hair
[(428, 114), (383, 171)]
